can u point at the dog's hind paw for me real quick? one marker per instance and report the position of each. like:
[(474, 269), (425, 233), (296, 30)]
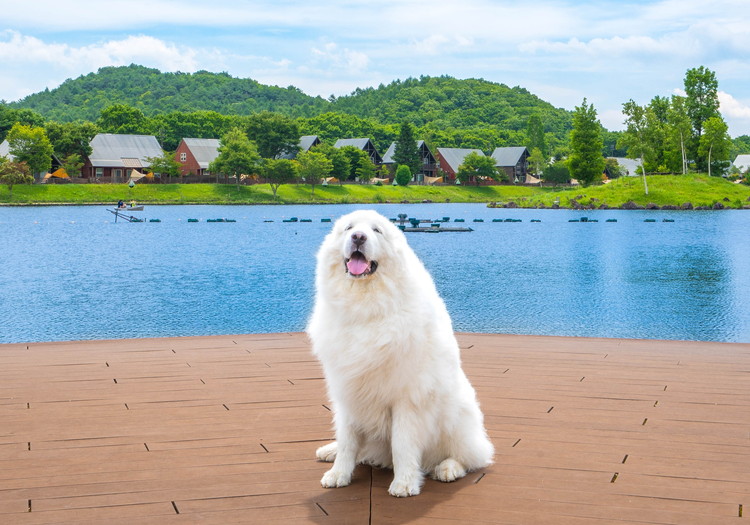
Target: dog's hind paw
[(334, 478), (448, 470), (327, 452)]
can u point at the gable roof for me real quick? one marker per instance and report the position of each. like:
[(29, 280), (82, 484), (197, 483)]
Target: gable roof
[(5, 149), (388, 157), (308, 141), (742, 162), (508, 156), (357, 143), (205, 151), (455, 156), (111, 150)]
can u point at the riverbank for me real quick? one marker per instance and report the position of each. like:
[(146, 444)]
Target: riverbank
[(664, 191), (223, 429)]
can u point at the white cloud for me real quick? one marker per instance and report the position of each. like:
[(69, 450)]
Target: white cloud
[(732, 108), (329, 55)]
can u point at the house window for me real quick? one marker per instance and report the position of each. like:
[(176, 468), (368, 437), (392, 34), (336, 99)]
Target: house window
[(118, 174), (99, 172), (183, 156)]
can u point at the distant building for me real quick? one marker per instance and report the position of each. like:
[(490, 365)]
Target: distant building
[(5, 152), (429, 162), (306, 143), (631, 167), (365, 145), (513, 161), (114, 156), (195, 155), (450, 159), (742, 162)]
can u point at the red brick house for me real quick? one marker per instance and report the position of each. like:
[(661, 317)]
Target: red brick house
[(195, 155)]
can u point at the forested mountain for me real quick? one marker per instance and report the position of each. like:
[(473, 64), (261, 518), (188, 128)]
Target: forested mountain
[(446, 111), (154, 92)]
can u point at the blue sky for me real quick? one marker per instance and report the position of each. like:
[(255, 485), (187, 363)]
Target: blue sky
[(560, 50)]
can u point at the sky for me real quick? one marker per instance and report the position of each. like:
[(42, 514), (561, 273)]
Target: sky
[(563, 51)]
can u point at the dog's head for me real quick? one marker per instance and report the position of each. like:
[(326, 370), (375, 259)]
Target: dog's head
[(360, 245)]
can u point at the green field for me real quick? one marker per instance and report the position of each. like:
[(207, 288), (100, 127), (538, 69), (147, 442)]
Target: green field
[(699, 190)]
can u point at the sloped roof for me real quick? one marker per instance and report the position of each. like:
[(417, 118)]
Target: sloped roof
[(5, 150), (388, 157), (205, 151), (357, 143), (508, 156), (308, 141), (109, 150), (455, 156), (630, 165), (742, 162)]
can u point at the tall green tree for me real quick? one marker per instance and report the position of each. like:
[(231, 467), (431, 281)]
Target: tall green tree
[(537, 162), (365, 168), (586, 162), (535, 131), (313, 168), (476, 166), (406, 151), (715, 142), (238, 155), (678, 134), (123, 119), (701, 104), (30, 144), (274, 134), (636, 136), (69, 138), (278, 172)]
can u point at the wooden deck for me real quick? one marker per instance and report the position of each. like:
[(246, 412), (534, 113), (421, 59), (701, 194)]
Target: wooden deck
[(223, 430)]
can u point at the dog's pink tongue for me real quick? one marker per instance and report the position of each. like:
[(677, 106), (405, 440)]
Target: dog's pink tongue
[(357, 265)]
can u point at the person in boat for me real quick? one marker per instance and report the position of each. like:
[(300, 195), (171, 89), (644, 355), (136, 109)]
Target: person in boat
[(120, 204)]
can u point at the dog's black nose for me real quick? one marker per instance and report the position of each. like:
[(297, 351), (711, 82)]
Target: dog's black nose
[(358, 238)]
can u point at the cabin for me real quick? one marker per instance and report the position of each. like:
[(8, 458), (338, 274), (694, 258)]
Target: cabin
[(742, 163), (195, 155), (113, 157), (429, 162), (513, 161), (365, 145), (450, 159), (306, 143), (5, 152)]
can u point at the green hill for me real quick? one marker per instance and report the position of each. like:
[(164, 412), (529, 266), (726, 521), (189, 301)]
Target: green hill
[(447, 111)]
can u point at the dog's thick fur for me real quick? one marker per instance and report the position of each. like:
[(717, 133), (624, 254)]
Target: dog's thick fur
[(391, 362)]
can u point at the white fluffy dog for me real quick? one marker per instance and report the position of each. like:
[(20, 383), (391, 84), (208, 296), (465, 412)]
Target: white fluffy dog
[(391, 362)]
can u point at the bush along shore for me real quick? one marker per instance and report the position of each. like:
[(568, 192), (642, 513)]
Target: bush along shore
[(665, 192)]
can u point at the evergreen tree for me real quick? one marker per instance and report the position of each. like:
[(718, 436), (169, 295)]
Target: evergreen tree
[(586, 162), (406, 152)]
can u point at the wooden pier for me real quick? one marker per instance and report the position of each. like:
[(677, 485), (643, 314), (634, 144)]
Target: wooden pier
[(223, 430)]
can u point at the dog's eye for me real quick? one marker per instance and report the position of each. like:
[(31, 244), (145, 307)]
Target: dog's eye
[(376, 230), (348, 228)]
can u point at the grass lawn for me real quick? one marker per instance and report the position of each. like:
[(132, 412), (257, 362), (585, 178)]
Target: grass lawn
[(699, 190)]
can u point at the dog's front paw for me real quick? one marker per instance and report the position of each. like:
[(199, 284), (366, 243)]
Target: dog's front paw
[(335, 478), (327, 452), (404, 487), (449, 470)]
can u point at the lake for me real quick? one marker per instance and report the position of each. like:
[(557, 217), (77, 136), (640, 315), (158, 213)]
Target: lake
[(71, 272)]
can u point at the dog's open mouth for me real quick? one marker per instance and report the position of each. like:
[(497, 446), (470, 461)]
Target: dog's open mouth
[(358, 265)]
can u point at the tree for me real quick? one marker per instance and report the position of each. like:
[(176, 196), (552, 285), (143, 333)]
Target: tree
[(406, 151), (9, 117), (165, 164), (122, 119), (477, 166), (273, 133), (278, 172), (535, 131), (586, 162), (403, 175), (72, 165), (557, 173), (365, 168), (715, 142), (702, 99), (313, 167), (352, 156), (238, 155), (12, 173), (635, 135), (70, 138), (30, 145), (537, 162), (678, 134), (341, 168)]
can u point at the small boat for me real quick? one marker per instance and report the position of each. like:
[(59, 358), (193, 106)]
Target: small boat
[(130, 208)]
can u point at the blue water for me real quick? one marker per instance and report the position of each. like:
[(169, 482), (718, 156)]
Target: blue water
[(70, 273)]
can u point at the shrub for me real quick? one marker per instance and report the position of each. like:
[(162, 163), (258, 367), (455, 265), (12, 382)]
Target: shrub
[(403, 175)]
